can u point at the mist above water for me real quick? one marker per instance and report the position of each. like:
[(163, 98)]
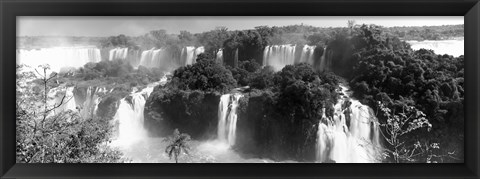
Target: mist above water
[(450, 47), (59, 57)]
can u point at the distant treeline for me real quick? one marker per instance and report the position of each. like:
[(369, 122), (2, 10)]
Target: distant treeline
[(427, 32), (292, 34)]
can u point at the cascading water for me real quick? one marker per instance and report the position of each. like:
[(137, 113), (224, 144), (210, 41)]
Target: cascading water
[(152, 58), (85, 105), (199, 50), (278, 56), (92, 97), (235, 58), (59, 57), (324, 64), (129, 116), (63, 95), (227, 118), (219, 58), (307, 54), (118, 54), (164, 58), (191, 54), (359, 142), (68, 102)]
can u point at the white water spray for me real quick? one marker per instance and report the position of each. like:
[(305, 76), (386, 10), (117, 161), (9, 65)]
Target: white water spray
[(59, 57), (227, 118), (153, 57), (307, 54), (324, 64), (191, 53), (278, 56), (118, 54), (219, 58), (130, 118), (357, 143)]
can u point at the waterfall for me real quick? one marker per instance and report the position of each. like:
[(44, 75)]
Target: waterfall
[(235, 58), (59, 58), (118, 54), (130, 119), (191, 54), (219, 57), (198, 51), (324, 64), (153, 57), (227, 118), (57, 94), (279, 56), (146, 57), (129, 116), (166, 58), (351, 136), (133, 58), (69, 101), (85, 105), (307, 54)]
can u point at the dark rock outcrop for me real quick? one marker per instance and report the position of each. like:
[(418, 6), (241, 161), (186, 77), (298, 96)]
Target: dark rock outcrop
[(192, 112)]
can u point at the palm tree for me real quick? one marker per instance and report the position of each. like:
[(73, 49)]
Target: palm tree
[(177, 143)]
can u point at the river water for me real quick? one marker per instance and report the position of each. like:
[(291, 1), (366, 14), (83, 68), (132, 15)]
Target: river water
[(451, 47)]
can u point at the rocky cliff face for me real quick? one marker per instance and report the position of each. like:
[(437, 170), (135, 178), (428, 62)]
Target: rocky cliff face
[(263, 132)]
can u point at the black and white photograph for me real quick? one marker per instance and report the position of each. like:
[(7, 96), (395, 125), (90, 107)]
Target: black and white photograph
[(240, 89)]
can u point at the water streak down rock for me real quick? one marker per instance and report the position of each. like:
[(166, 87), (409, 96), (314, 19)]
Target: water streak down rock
[(227, 118), (351, 136)]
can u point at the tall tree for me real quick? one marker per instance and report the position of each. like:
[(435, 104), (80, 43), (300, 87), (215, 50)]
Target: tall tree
[(213, 40), (178, 142)]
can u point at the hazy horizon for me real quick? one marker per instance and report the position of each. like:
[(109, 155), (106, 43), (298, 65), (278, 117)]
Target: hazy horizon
[(135, 26)]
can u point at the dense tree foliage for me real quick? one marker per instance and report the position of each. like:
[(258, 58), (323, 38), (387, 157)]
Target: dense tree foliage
[(206, 75), (280, 119), (114, 72), (213, 40), (186, 38), (291, 99), (61, 137), (245, 72), (244, 45), (119, 41), (391, 72)]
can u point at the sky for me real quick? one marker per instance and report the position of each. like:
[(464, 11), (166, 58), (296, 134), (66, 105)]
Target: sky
[(133, 26)]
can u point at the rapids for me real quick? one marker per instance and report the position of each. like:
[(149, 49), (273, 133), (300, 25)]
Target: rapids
[(351, 136)]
